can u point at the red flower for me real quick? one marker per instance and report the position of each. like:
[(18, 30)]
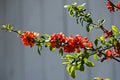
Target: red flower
[(118, 6), (57, 39), (70, 46), (29, 38), (110, 6), (90, 45), (108, 54), (79, 41)]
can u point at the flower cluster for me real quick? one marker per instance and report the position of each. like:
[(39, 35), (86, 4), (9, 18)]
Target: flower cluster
[(116, 51), (69, 44), (29, 38), (56, 40), (111, 7)]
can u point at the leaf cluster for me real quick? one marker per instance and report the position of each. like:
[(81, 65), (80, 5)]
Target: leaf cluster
[(79, 12), (77, 62)]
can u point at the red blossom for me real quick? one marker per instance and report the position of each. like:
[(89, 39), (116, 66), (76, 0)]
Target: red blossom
[(79, 41), (118, 5), (29, 38), (110, 6), (57, 39), (69, 44), (108, 54), (90, 45)]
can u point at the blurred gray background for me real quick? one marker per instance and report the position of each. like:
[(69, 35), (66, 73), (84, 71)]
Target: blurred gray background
[(18, 62)]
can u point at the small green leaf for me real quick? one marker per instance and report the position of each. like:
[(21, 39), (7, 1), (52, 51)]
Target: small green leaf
[(61, 52), (102, 21), (68, 56), (67, 6), (68, 68), (89, 20), (38, 49), (89, 28), (114, 28), (52, 49), (96, 42), (83, 4), (4, 26), (19, 31), (72, 72), (78, 66), (95, 57), (81, 67), (99, 46), (101, 38), (74, 3), (77, 20), (72, 68), (9, 27), (47, 35), (88, 63), (107, 78), (64, 63), (47, 44)]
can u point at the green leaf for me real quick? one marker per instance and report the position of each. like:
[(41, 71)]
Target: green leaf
[(64, 63), (4, 26), (107, 78), (114, 28), (96, 42), (89, 20), (52, 49), (81, 67), (99, 46), (67, 6), (72, 69), (88, 63), (101, 38), (61, 52), (72, 72), (80, 7), (95, 57), (68, 68), (78, 66), (89, 28), (47, 35), (47, 44), (102, 21), (38, 49), (19, 31), (83, 4), (9, 27), (74, 3), (70, 12), (68, 56), (77, 20)]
